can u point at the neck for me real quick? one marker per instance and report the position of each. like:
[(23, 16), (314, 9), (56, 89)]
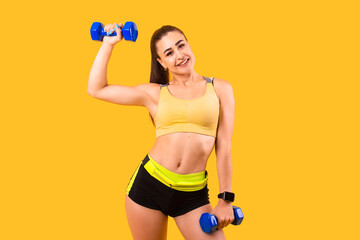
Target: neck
[(185, 79)]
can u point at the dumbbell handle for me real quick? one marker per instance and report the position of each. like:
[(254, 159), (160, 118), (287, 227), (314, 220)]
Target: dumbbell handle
[(208, 222), (103, 33)]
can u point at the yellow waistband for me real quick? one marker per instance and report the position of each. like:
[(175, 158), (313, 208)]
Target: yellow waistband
[(182, 182)]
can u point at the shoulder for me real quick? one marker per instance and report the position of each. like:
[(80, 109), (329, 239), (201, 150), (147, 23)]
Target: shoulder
[(148, 86), (222, 87), (151, 90)]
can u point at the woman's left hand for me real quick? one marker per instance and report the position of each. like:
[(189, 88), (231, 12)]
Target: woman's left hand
[(224, 213)]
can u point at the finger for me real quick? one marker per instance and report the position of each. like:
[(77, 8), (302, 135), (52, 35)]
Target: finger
[(107, 28), (112, 28), (220, 224), (230, 220), (224, 223), (118, 33), (117, 26), (227, 222)]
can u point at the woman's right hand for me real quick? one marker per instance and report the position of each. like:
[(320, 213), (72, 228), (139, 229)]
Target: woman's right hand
[(110, 28)]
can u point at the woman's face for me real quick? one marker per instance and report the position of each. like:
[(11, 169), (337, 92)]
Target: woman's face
[(175, 53)]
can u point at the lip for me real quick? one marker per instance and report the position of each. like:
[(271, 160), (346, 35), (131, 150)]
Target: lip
[(187, 61)]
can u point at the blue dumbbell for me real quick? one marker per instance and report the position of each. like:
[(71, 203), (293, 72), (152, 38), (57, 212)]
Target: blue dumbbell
[(129, 31), (208, 222)]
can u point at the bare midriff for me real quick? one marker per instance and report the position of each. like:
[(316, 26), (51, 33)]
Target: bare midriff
[(183, 152)]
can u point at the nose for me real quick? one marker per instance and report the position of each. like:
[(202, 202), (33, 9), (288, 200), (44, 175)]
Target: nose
[(178, 55)]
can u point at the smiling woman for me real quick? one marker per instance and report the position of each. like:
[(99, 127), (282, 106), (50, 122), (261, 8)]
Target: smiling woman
[(192, 114)]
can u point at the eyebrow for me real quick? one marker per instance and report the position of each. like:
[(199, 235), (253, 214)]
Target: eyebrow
[(177, 43)]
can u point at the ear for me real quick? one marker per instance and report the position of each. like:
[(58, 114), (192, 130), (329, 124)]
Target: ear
[(160, 62)]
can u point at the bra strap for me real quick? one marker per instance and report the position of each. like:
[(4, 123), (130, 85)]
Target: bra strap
[(209, 80), (163, 85)]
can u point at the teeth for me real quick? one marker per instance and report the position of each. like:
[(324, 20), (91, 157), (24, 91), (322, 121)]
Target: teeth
[(184, 62)]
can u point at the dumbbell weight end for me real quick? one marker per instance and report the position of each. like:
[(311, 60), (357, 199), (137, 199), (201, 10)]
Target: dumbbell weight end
[(239, 216)]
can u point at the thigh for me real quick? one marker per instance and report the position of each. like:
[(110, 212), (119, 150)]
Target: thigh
[(189, 225), (145, 223)]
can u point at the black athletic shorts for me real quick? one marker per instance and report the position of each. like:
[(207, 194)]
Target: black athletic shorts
[(151, 193)]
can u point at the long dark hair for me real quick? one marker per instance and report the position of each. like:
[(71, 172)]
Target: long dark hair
[(158, 74)]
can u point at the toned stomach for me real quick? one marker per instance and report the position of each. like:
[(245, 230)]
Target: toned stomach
[(182, 152)]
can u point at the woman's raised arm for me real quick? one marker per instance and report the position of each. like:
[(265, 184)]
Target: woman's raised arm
[(98, 86)]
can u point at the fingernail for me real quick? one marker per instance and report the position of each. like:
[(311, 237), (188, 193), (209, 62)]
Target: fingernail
[(117, 26)]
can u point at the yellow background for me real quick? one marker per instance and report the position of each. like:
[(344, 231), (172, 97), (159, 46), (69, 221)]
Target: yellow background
[(66, 158)]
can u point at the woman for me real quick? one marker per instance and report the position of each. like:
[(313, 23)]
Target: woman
[(192, 115)]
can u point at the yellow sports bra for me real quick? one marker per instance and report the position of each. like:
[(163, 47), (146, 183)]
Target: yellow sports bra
[(198, 115)]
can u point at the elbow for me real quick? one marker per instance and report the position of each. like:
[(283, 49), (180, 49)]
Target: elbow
[(91, 92), (223, 146), (223, 151)]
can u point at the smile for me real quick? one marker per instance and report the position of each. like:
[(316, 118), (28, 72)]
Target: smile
[(183, 63)]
